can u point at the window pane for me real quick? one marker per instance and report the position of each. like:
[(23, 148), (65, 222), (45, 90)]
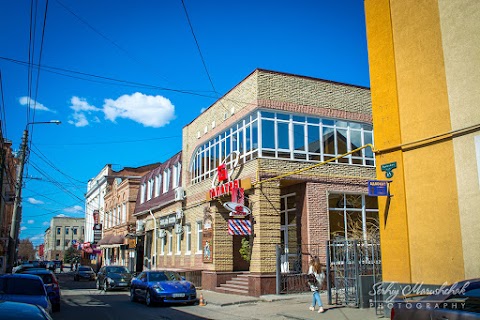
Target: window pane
[(356, 142), (255, 135), (283, 141), (283, 116), (265, 114), (341, 141), (328, 141), (241, 143), (299, 137), (313, 139), (248, 142), (268, 132), (298, 119), (337, 225), (368, 140), (313, 120)]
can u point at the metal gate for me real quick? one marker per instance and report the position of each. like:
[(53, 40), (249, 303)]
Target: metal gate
[(353, 267)]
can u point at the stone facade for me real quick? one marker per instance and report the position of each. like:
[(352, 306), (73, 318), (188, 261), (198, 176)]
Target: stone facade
[(267, 90)]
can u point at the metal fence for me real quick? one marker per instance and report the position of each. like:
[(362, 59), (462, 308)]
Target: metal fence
[(353, 267)]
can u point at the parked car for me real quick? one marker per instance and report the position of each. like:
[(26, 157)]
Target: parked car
[(162, 287), (460, 301), (113, 277), (26, 288), (51, 285), (10, 310), (84, 272)]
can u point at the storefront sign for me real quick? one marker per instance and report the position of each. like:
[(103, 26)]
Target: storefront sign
[(207, 242), (378, 188), (224, 189), (168, 221), (387, 168)]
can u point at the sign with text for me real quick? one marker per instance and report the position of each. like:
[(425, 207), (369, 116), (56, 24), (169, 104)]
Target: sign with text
[(378, 188), (168, 221)]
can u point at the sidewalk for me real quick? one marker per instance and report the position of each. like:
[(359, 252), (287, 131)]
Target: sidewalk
[(297, 305)]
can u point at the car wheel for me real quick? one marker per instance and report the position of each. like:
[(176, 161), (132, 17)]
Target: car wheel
[(132, 295), (148, 299), (98, 285), (105, 286)]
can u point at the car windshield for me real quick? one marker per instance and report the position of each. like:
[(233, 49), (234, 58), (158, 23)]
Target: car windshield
[(47, 278), (117, 270), (23, 286), (85, 269), (164, 276)]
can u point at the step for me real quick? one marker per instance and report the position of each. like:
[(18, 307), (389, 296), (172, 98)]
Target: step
[(237, 281), (232, 291)]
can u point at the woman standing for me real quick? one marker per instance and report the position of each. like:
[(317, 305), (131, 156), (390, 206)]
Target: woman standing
[(316, 281)]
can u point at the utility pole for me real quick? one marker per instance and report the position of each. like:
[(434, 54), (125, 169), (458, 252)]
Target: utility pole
[(17, 205), (17, 210)]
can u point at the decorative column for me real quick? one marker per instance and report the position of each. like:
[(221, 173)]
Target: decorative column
[(266, 212)]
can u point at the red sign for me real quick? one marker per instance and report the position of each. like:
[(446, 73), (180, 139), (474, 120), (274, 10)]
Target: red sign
[(224, 189), (238, 195), (222, 172), (96, 217)]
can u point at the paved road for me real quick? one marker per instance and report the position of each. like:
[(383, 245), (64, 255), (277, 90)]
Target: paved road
[(81, 301)]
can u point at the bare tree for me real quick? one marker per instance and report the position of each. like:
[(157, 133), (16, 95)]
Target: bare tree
[(26, 251)]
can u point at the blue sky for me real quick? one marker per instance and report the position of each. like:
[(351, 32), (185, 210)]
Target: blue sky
[(125, 79)]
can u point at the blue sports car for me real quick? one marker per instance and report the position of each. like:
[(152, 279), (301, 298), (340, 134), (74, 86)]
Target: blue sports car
[(162, 287)]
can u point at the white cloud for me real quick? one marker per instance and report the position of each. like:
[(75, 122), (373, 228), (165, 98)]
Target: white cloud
[(203, 109), (31, 221), (74, 209), (60, 215), (81, 104), (79, 120), (37, 239), (151, 111), (25, 101), (23, 228), (46, 223), (34, 201), (82, 109)]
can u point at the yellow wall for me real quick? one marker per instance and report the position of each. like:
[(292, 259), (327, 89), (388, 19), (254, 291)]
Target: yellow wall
[(410, 103)]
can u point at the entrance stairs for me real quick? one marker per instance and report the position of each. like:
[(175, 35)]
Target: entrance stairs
[(236, 285)]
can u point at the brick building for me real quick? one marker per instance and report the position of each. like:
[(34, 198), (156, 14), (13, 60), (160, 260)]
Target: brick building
[(279, 136)]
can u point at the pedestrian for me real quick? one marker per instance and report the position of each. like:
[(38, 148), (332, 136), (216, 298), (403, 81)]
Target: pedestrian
[(316, 278), (61, 267)]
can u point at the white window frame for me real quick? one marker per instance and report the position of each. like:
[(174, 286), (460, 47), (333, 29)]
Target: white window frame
[(124, 213), (199, 237), (149, 189), (142, 192), (158, 183), (188, 239), (170, 243), (176, 174), (166, 180), (162, 245), (179, 244)]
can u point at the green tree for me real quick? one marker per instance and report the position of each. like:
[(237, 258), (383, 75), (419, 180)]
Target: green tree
[(71, 255), (245, 250)]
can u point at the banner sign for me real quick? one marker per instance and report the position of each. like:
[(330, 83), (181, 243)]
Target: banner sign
[(378, 188), (168, 221), (240, 227)]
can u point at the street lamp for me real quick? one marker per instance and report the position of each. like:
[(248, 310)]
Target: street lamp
[(16, 216)]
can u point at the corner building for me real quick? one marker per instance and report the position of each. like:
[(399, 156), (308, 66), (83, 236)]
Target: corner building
[(266, 130), (425, 74)]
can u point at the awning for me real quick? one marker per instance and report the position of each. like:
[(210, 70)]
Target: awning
[(118, 239), (104, 240)]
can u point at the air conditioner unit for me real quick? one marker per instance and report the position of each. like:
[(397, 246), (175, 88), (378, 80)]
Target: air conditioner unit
[(178, 229), (179, 215), (179, 194), (162, 233), (140, 225)]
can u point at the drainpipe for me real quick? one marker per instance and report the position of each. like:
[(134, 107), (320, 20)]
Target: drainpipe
[(154, 264)]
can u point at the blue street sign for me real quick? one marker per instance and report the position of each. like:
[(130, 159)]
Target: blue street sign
[(378, 188)]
